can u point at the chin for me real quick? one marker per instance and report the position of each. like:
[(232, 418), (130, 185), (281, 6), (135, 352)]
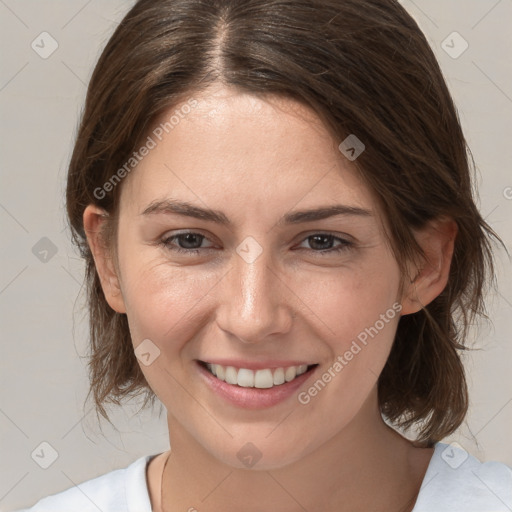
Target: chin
[(260, 453)]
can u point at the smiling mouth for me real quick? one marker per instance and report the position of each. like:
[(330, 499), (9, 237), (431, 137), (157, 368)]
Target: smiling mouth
[(264, 378)]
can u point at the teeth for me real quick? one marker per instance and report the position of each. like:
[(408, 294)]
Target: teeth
[(245, 378), (231, 375), (265, 378), (278, 377), (290, 373), (220, 372)]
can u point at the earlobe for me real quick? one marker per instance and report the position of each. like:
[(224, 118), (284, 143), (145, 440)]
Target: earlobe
[(428, 279), (94, 218)]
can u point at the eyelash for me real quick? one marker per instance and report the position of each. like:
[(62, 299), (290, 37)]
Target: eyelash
[(345, 244)]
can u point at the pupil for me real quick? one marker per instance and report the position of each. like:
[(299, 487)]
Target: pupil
[(315, 238), (188, 237)]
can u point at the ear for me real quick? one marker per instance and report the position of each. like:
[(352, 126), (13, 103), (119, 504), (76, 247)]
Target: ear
[(429, 278), (93, 219)]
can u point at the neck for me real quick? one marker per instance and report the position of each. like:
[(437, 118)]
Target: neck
[(366, 455)]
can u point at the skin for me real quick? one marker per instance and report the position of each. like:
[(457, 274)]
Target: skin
[(255, 160)]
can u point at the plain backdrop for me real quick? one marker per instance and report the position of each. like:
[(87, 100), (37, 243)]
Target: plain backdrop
[(43, 378)]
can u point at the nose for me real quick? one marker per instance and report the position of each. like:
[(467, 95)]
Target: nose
[(255, 300)]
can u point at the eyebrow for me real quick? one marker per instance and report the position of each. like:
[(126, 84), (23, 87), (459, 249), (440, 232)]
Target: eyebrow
[(175, 207)]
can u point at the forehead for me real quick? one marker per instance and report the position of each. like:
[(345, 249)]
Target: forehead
[(238, 152)]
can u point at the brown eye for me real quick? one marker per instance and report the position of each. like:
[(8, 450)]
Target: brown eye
[(188, 242), (322, 243)]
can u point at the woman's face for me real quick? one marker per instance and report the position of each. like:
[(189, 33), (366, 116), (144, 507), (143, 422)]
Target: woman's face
[(257, 285)]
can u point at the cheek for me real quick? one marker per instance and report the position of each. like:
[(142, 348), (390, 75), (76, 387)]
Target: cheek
[(361, 312), (354, 317), (354, 299), (164, 302), (167, 302)]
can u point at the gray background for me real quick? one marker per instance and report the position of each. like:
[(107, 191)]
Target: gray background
[(43, 378)]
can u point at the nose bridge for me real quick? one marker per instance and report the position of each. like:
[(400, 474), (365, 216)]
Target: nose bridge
[(254, 282), (254, 303)]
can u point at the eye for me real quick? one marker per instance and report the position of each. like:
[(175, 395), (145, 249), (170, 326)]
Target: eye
[(188, 239), (189, 242), (319, 241)]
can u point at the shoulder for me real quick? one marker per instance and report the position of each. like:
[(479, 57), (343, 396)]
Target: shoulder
[(121, 490), (456, 481)]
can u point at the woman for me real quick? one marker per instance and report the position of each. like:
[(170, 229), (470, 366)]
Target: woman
[(274, 202)]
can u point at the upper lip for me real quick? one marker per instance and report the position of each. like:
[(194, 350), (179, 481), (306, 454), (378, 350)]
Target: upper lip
[(258, 365)]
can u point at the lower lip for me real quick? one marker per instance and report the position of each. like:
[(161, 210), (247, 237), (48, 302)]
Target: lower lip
[(253, 398)]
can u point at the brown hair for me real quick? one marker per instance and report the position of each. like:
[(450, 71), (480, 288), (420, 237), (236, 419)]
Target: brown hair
[(365, 68)]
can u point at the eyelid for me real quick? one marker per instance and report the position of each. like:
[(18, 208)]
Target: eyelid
[(343, 236), (168, 237), (346, 242)]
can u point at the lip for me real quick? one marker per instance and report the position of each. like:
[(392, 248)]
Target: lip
[(253, 398), (258, 365)]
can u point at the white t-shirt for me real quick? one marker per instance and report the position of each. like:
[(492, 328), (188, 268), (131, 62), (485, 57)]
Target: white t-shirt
[(454, 482)]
